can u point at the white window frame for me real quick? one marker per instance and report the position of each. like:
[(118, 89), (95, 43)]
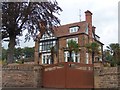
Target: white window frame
[(87, 58), (46, 55), (74, 39), (73, 29), (66, 55), (86, 29)]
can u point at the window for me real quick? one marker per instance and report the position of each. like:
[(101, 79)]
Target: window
[(87, 58), (75, 56), (47, 42), (46, 58), (45, 46), (86, 29), (74, 39), (47, 35), (73, 29)]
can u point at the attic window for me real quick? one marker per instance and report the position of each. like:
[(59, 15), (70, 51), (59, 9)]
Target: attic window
[(73, 29)]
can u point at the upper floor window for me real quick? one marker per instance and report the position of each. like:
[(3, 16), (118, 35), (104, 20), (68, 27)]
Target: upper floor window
[(73, 29), (47, 35), (86, 29), (46, 46), (74, 39)]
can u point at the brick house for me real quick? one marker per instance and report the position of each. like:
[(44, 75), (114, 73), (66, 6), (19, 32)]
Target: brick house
[(82, 32)]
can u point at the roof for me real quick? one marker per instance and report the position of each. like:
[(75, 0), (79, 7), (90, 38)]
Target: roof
[(63, 30)]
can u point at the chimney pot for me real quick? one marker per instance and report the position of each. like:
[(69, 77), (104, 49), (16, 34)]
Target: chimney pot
[(88, 12)]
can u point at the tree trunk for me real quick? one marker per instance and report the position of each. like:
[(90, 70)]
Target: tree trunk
[(52, 55), (70, 59), (10, 53), (52, 58), (93, 53)]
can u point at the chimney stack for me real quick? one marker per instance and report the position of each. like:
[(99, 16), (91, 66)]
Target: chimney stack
[(88, 17)]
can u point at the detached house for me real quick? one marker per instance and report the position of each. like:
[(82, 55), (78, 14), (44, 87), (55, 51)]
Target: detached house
[(82, 32)]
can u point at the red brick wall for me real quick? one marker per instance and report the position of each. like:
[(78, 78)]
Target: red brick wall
[(22, 76)]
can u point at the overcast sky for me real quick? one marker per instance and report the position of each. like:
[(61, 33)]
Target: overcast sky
[(104, 18)]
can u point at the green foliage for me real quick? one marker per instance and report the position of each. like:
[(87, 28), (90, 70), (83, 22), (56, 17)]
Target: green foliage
[(28, 52), (4, 54), (18, 53), (113, 54), (20, 62), (3, 62), (93, 47), (72, 46)]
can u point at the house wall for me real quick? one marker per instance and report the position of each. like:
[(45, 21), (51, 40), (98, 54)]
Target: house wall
[(62, 44), (82, 41)]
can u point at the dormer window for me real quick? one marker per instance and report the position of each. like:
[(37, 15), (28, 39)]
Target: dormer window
[(73, 29)]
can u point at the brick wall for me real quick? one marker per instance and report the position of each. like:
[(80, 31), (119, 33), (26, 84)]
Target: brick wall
[(22, 76), (107, 77), (31, 76)]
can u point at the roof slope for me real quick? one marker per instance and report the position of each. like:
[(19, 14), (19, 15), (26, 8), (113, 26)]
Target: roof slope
[(63, 30)]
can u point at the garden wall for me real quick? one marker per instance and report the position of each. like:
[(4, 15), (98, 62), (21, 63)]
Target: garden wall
[(28, 75), (22, 76), (107, 77)]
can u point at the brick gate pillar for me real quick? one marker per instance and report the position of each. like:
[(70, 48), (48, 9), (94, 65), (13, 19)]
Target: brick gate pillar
[(36, 52), (38, 76)]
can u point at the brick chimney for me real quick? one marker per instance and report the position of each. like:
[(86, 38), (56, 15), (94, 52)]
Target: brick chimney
[(88, 18)]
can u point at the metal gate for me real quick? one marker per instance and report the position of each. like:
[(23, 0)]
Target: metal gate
[(68, 75)]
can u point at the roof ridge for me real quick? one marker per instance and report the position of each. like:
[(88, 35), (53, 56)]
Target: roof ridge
[(72, 23)]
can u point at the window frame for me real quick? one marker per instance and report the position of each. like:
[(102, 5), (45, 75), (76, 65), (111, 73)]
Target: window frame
[(74, 29)]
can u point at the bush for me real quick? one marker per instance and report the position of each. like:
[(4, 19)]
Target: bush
[(20, 62), (3, 62)]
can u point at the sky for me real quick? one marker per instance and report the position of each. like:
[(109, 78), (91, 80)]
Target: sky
[(104, 18)]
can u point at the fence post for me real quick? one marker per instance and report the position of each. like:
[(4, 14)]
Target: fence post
[(38, 76)]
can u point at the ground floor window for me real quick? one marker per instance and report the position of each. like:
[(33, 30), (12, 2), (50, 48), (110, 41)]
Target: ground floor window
[(46, 58), (87, 58), (75, 56)]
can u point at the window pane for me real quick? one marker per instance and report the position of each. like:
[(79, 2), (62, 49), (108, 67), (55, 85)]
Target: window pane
[(73, 29)]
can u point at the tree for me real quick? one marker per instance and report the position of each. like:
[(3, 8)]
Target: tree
[(114, 50), (28, 52), (18, 53), (20, 16), (4, 54), (72, 46), (93, 48), (107, 55)]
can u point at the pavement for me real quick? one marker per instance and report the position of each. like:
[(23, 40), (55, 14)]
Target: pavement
[(40, 89)]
